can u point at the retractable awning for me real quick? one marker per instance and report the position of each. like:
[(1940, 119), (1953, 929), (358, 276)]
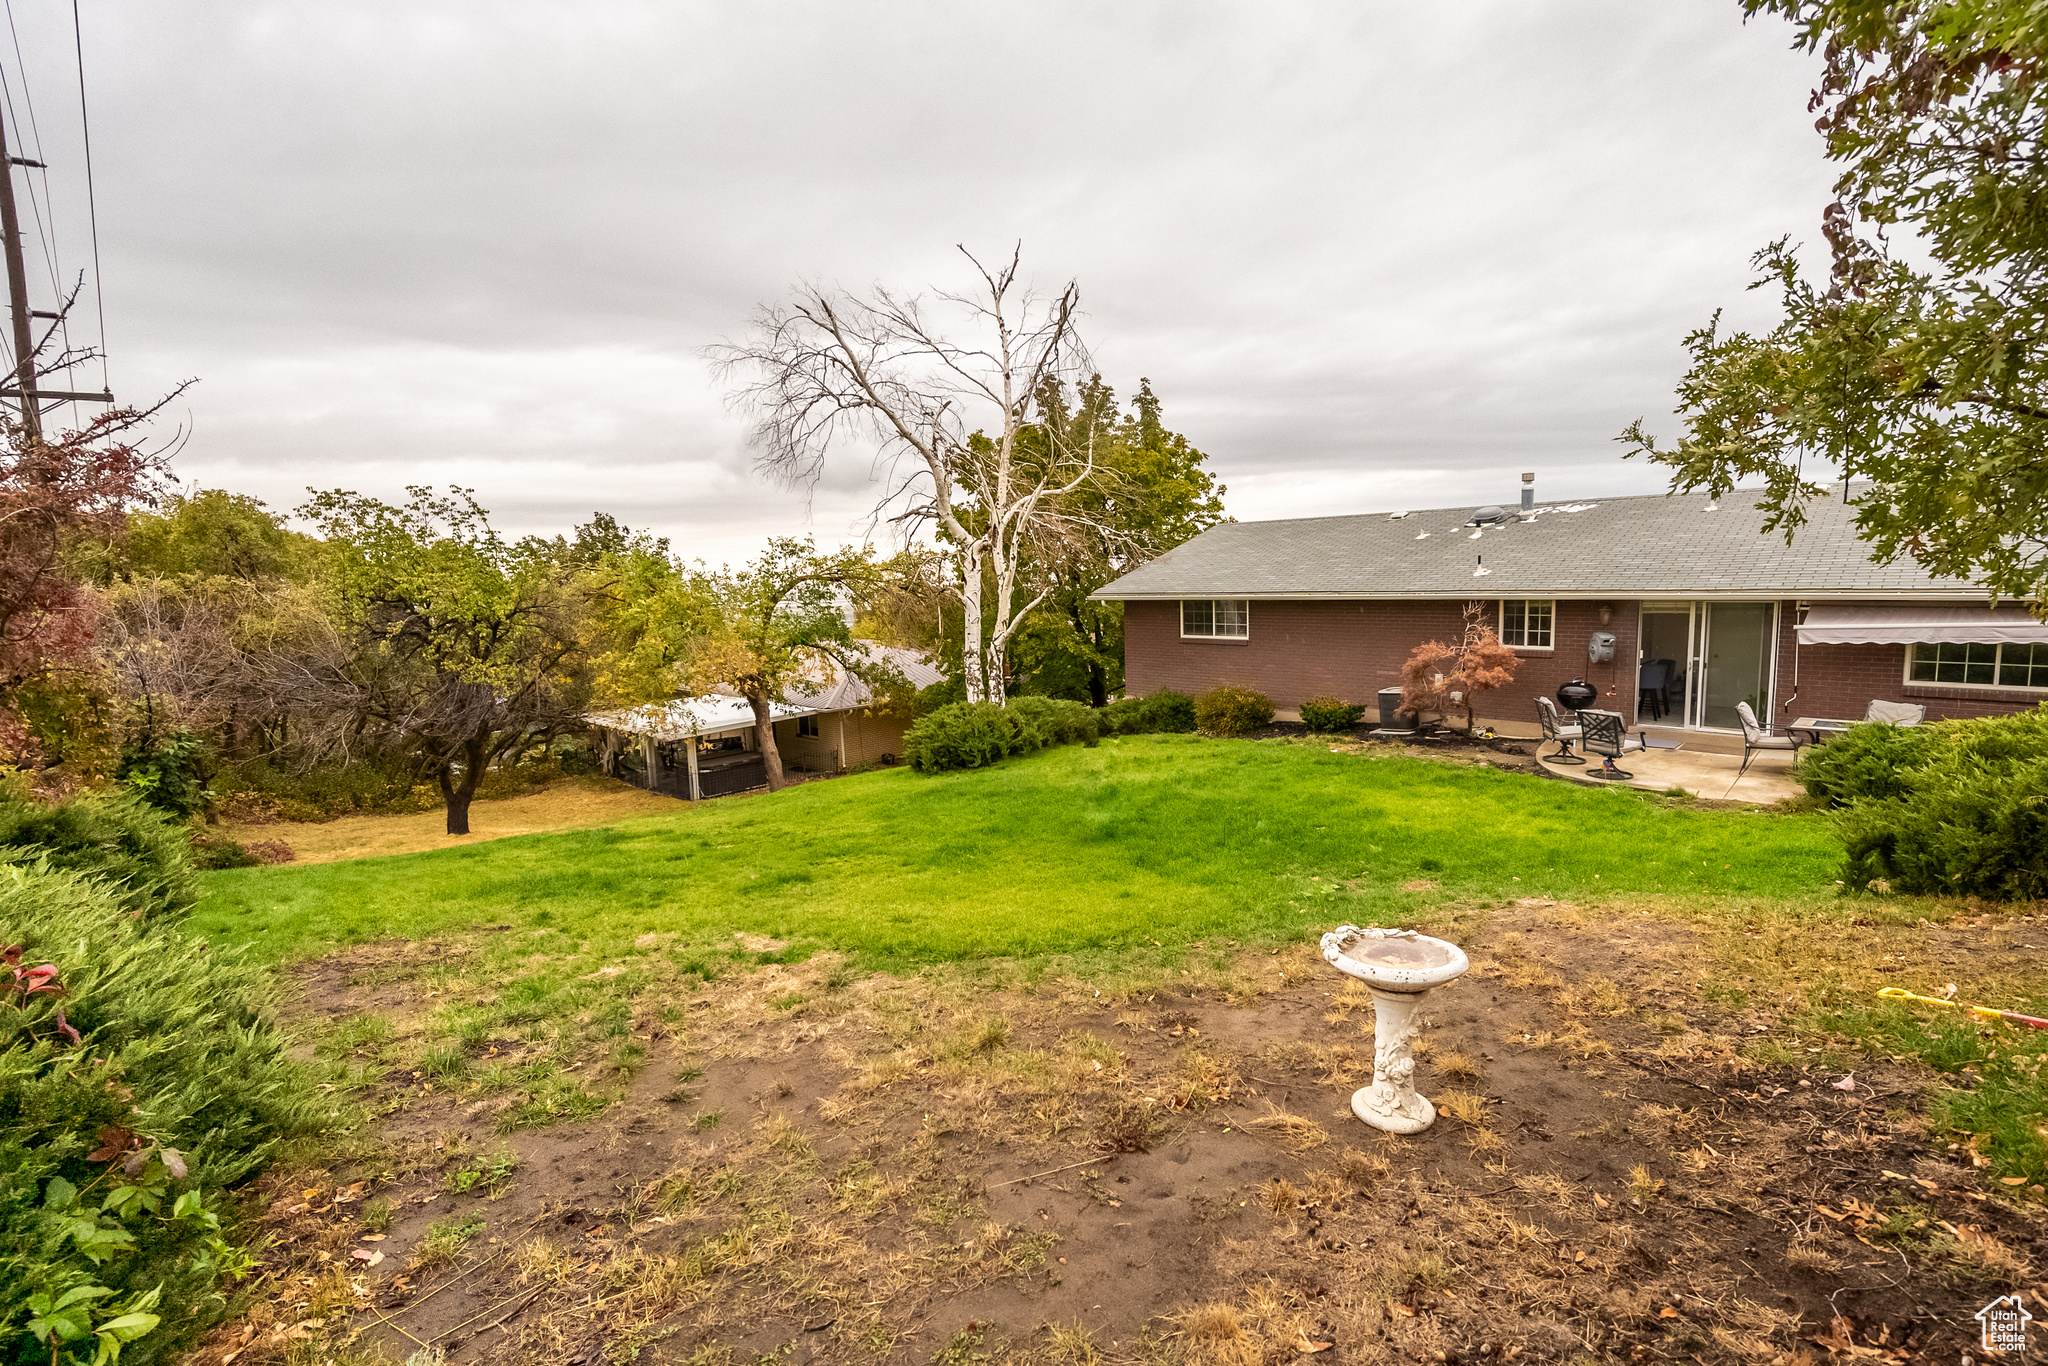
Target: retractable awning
[(1908, 625)]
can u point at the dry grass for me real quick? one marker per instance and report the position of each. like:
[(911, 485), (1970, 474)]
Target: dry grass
[(874, 1188), (1297, 1134), (574, 804), (1467, 1107)]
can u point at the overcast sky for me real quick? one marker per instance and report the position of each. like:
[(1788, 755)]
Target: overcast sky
[(1372, 255)]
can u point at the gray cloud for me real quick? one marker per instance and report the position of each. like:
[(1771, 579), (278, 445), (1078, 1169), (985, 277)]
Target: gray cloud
[(1369, 254)]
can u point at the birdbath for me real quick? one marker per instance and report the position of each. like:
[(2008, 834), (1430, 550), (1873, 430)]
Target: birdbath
[(1398, 967)]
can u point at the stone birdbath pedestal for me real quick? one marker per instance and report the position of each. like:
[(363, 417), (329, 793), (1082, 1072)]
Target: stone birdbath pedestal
[(1398, 967)]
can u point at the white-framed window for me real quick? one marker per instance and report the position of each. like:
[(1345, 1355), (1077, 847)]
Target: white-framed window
[(807, 727), (1216, 618), (1528, 623), (1979, 666)]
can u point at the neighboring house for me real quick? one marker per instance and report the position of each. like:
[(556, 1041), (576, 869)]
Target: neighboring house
[(1675, 608), (846, 724), (696, 747)]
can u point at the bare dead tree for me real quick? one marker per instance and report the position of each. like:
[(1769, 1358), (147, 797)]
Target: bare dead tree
[(943, 419)]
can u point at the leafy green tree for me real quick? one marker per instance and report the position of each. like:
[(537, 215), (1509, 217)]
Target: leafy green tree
[(1148, 493), (776, 626), (208, 534), (450, 647), (1920, 364), (601, 540)]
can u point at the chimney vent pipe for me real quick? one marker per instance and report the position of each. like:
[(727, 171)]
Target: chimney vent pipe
[(1529, 492)]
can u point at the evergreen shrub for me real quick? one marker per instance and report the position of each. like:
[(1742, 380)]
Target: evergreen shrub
[(143, 858), (1866, 761), (168, 772), (964, 735), (1056, 721), (1231, 710), (1964, 810), (1164, 711), (141, 1083), (1324, 714)]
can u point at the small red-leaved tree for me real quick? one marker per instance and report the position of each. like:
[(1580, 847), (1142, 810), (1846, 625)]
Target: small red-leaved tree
[(54, 492), (1444, 678)]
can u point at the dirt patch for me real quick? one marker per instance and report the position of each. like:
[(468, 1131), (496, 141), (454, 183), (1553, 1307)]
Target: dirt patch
[(1504, 753), (818, 1167)]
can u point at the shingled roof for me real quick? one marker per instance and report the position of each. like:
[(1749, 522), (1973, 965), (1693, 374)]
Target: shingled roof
[(1680, 546)]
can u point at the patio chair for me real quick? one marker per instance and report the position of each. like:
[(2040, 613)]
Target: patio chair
[(1650, 685), (1755, 739), (1895, 713), (1554, 728), (1606, 734)]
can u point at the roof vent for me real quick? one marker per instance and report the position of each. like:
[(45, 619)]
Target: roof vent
[(1489, 516)]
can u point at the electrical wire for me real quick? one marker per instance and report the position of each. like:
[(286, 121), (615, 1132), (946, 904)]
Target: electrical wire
[(48, 237), (45, 204), (24, 150), (92, 205)]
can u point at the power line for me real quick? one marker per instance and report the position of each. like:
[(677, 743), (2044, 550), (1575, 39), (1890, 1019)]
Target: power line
[(46, 235), (92, 206)]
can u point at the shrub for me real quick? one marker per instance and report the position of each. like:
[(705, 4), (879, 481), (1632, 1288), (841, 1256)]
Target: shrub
[(263, 789), (1164, 711), (1966, 814), (977, 734), (963, 735), (1864, 762), (1231, 710), (210, 852), (141, 1083), (169, 773), (1326, 713), (1056, 721), (144, 859)]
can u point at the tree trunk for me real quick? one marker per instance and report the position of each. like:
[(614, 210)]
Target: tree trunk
[(456, 796), (972, 663), (764, 727)]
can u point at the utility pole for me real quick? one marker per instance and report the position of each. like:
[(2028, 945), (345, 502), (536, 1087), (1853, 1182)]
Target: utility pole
[(17, 294)]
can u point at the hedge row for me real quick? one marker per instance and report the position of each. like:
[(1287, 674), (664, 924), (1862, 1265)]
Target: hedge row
[(977, 734), (140, 857), (1958, 807), (140, 1082)]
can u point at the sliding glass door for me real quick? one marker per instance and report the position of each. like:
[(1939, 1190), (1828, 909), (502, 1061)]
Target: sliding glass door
[(1737, 665), (1699, 659)]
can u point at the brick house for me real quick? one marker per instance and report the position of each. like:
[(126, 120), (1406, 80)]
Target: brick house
[(1675, 608)]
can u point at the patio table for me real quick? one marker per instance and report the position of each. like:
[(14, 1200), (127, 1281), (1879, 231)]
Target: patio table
[(1818, 728)]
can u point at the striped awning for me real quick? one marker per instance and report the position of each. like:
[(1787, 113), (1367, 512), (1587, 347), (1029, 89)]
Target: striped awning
[(1911, 625)]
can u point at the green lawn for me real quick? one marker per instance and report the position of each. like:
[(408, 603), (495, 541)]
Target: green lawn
[(1152, 837)]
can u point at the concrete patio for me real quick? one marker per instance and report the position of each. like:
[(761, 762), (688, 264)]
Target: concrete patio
[(1706, 764), (1700, 772)]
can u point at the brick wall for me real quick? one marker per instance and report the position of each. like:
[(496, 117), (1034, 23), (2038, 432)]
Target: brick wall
[(1298, 650)]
